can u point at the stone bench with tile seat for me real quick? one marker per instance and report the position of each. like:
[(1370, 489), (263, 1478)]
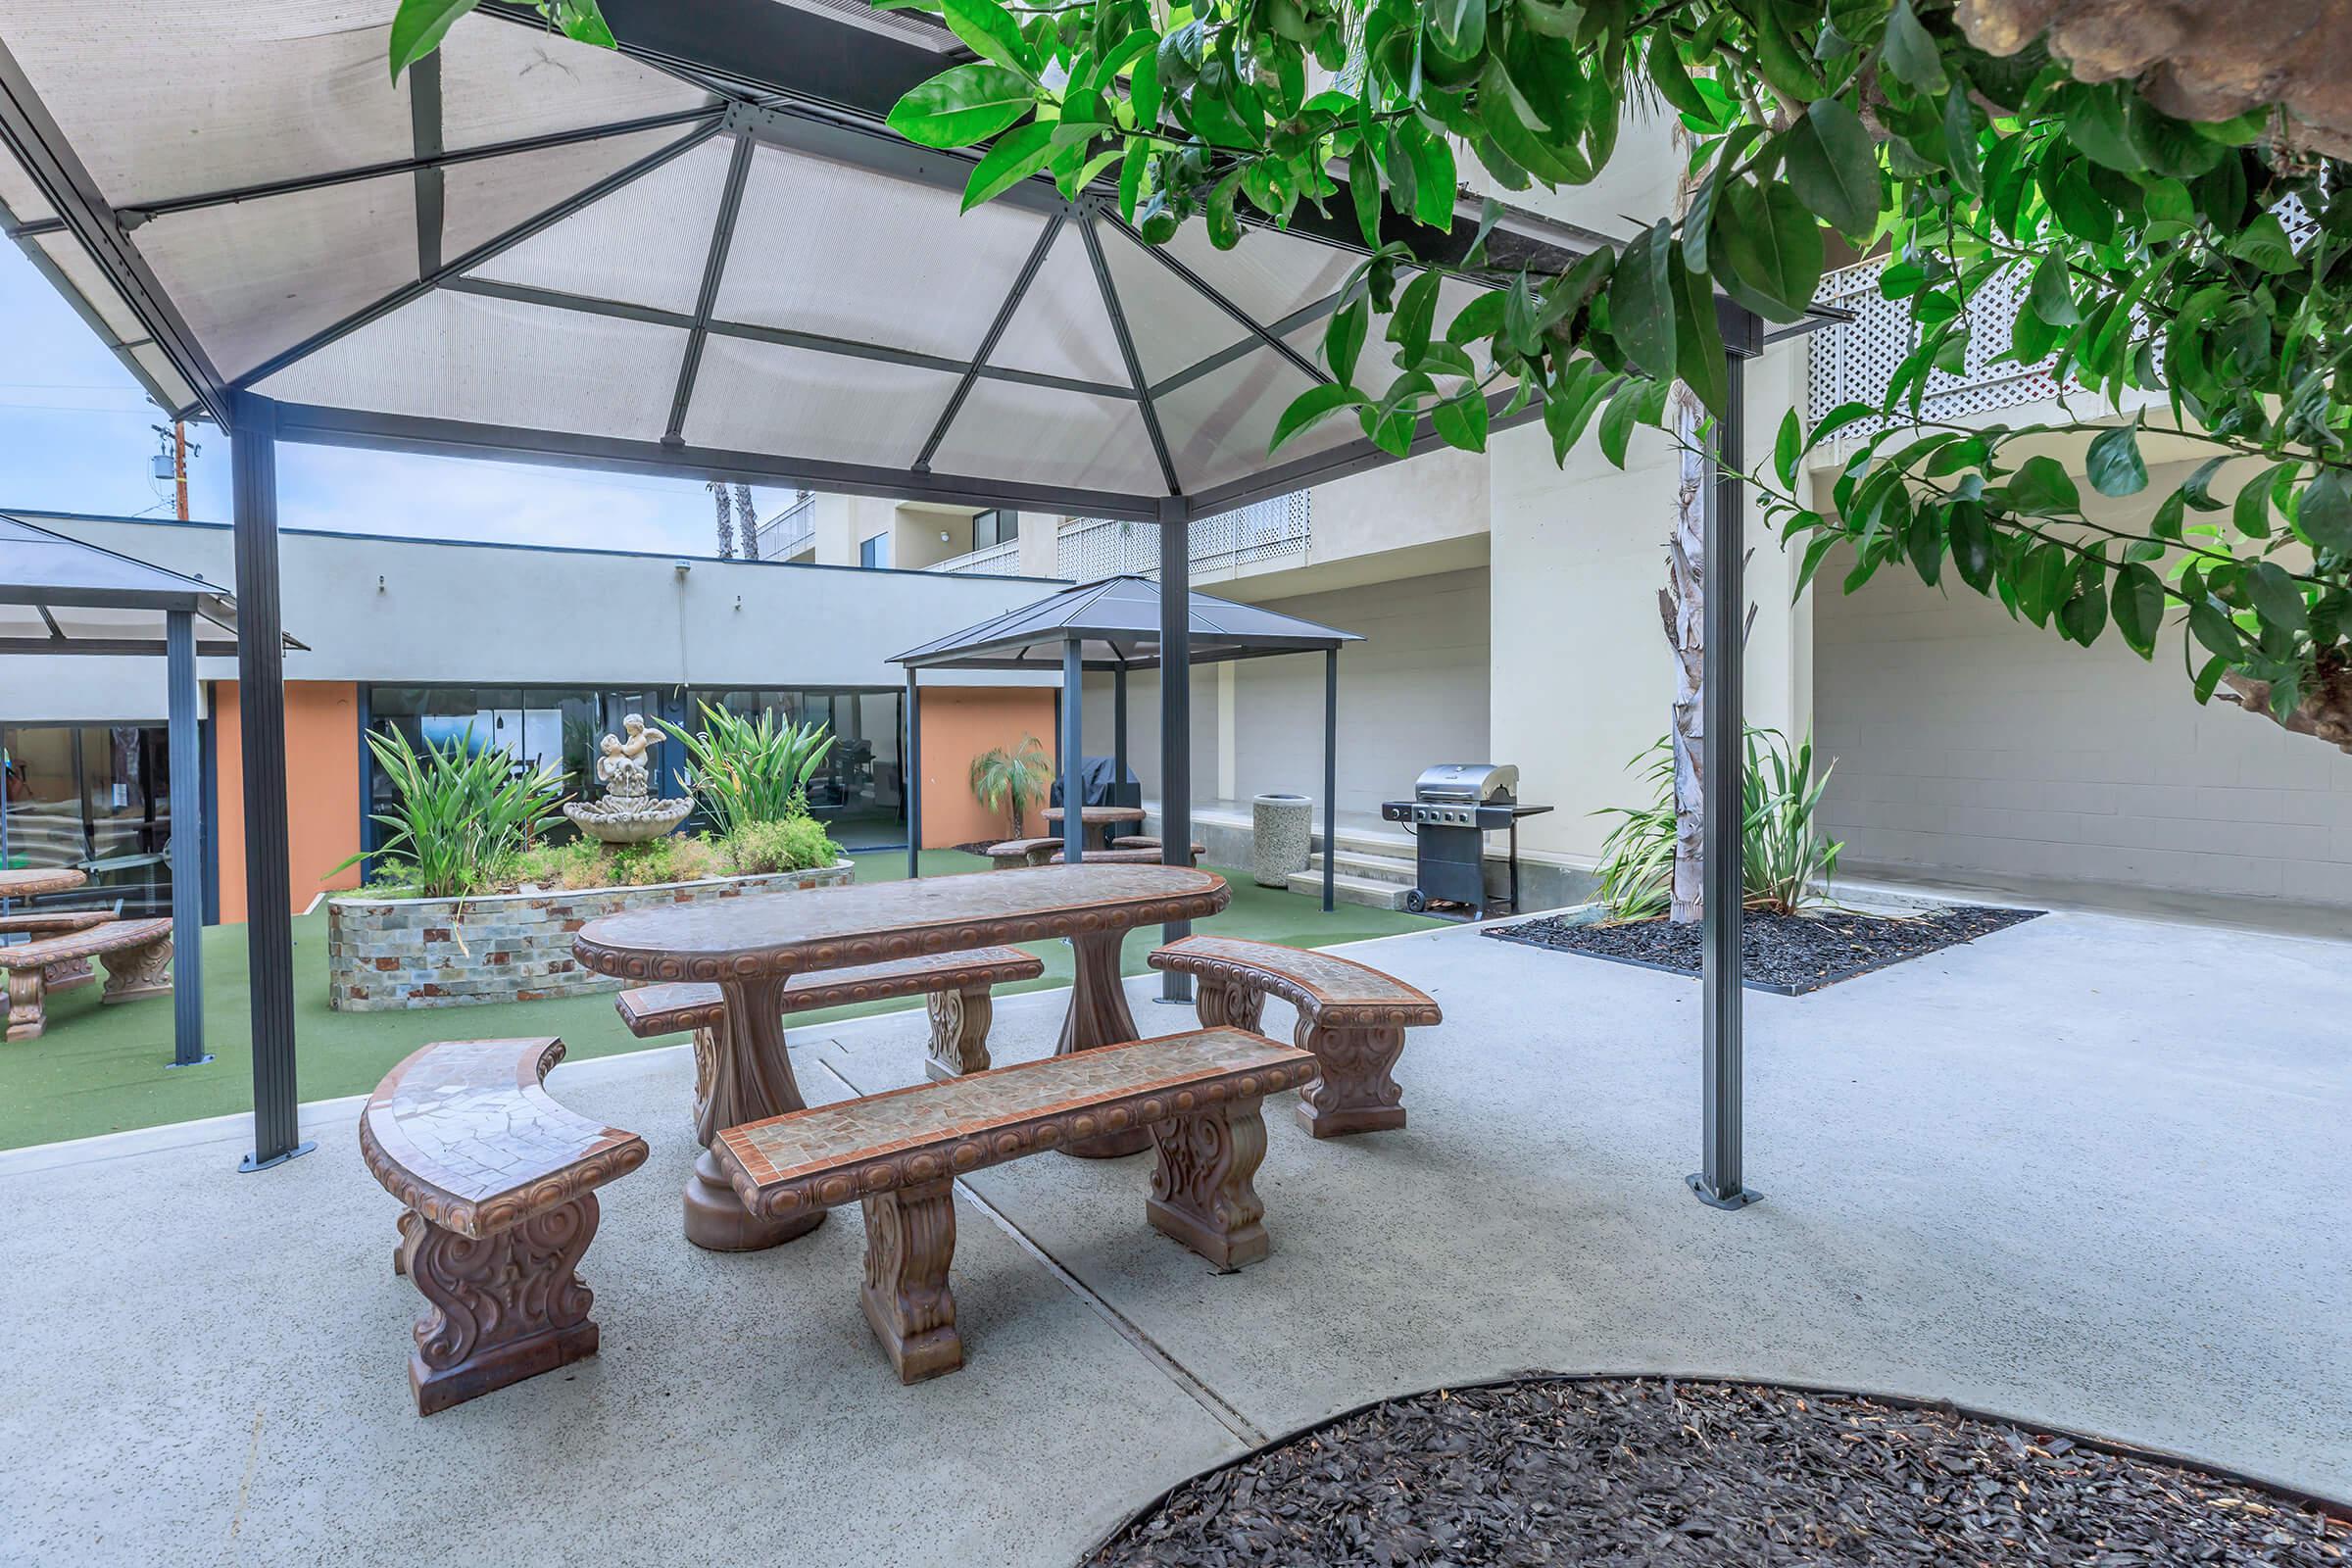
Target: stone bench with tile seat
[(1014, 854), (1351, 1016), (65, 973), (139, 964), (1130, 856), (957, 984), (496, 1184), (899, 1154)]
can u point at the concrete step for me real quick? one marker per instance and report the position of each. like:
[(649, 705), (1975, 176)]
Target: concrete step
[(1363, 890), (1372, 868)]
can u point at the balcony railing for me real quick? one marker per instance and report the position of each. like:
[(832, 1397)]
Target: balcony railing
[(1271, 530), (1853, 361), (1001, 560), (790, 531)]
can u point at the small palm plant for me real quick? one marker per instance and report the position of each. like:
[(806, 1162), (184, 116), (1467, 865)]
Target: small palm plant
[(746, 771), (1786, 861), (457, 814), (1013, 780)]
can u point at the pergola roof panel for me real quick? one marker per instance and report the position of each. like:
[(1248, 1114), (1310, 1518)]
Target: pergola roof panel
[(447, 356), (1270, 274), (1217, 426), (260, 277), (19, 193), (661, 223), (66, 255), (1019, 432), (751, 396), (1173, 323), (501, 83), (829, 248), (1061, 328)]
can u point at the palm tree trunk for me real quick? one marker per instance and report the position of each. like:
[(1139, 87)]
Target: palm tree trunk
[(1682, 603)]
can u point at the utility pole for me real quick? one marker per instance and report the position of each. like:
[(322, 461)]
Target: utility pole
[(179, 464)]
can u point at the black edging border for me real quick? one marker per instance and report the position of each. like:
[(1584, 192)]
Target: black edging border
[(1502, 933), (2306, 1501)]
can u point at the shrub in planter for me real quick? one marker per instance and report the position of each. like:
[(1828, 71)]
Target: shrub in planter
[(797, 843), (746, 770), (458, 814), (1786, 859)]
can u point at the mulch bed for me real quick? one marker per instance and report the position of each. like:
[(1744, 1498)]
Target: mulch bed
[(1652, 1471), (1786, 953)]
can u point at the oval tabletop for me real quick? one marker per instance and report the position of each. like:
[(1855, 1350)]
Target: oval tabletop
[(874, 922), (36, 880), (1099, 815)]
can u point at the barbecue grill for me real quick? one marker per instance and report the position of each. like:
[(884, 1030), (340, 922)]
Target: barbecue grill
[(1454, 807)]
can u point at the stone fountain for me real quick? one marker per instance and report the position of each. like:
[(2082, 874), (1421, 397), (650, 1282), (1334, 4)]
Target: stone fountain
[(629, 812)]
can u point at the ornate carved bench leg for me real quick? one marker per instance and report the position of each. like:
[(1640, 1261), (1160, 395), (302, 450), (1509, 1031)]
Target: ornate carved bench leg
[(28, 990), (67, 973), (1200, 1188), (412, 1226), (959, 1021), (1354, 1094), (1229, 1003), (705, 1063), (503, 1308), (909, 1240), (140, 971)]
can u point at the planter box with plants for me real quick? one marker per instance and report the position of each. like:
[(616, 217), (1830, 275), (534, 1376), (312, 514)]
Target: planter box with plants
[(467, 905)]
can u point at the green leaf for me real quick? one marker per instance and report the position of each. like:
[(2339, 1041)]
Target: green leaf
[(2277, 598), (1143, 90), (1972, 543), (1617, 422), (1434, 176), (2323, 519), (1698, 339), (2041, 489), (1641, 311), (1767, 241), (1674, 83), (1363, 189), (1133, 163), (2137, 599), (2053, 297), (1458, 28), (2113, 462), (964, 105), (1838, 418), (1481, 318), (1787, 448), (989, 31), (1016, 154), (2084, 615), (1415, 315), (1569, 402), (1461, 420), (1911, 55), (2197, 489), (2264, 243), (2251, 510), (418, 27), (1344, 339), (1312, 406), (1833, 166)]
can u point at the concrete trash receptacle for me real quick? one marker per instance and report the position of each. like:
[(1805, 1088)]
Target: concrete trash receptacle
[(1282, 833)]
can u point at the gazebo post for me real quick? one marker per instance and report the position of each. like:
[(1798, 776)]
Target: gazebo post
[(1118, 726), (1331, 776), (1073, 698), (1723, 792), (261, 727), (187, 842), (1175, 715), (914, 777)]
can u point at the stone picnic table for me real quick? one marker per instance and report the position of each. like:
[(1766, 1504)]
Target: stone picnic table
[(33, 881), (1099, 815), (750, 947)]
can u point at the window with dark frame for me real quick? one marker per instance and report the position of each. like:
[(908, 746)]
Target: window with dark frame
[(995, 527)]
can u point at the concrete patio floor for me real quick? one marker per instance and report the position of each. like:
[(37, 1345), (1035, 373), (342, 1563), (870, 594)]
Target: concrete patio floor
[(2087, 1172)]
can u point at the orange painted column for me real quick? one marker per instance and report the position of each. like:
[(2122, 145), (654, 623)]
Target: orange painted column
[(322, 791), (960, 723)]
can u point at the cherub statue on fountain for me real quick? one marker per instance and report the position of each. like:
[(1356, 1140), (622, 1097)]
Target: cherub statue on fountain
[(629, 812)]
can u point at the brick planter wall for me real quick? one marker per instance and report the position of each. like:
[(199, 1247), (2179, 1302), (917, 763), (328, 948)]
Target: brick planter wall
[(505, 946)]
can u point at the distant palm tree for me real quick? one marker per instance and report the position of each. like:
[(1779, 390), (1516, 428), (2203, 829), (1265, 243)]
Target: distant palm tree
[(726, 518), (1013, 780), (747, 522)]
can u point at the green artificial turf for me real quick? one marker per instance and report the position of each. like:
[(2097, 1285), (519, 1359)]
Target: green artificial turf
[(103, 1069)]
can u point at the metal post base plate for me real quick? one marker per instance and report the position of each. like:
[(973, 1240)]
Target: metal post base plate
[(197, 1063), (1714, 1200), (248, 1165)]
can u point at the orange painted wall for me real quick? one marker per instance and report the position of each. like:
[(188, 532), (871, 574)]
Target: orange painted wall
[(959, 722), (322, 790)]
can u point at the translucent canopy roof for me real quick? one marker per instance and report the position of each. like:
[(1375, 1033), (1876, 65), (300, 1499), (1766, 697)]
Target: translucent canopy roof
[(62, 596), (1116, 625), (704, 254)]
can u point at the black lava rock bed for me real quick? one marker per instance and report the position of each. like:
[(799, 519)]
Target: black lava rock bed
[(1651, 1471), (1788, 953)]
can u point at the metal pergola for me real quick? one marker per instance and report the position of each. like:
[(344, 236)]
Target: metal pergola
[(59, 596), (1115, 624), (704, 255)]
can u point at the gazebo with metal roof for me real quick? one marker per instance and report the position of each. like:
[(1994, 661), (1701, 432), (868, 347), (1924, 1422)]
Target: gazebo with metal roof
[(1115, 624), (62, 596), (701, 255)]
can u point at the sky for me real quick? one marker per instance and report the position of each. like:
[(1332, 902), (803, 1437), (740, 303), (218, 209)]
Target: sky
[(76, 435)]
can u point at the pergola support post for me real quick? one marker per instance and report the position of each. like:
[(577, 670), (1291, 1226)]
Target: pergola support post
[(914, 776), (261, 735), (187, 842), (1175, 715), (1073, 726), (1722, 793), (1331, 776), (1118, 730)]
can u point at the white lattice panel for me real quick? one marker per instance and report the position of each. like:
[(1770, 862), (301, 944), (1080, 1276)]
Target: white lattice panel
[(1852, 363), (1094, 547)]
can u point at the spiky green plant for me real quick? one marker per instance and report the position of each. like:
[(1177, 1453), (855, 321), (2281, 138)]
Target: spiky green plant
[(1787, 862), (744, 772), (457, 814), (1012, 779)]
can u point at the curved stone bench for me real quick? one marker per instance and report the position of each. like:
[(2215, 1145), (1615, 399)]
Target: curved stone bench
[(1130, 856), (1014, 854), (1350, 1015), (498, 1187), (957, 984), (65, 973), (139, 964)]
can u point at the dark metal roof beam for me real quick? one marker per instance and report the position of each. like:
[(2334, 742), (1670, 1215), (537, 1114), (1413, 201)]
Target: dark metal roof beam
[(988, 343), (1135, 369), (714, 269), (1207, 291), (478, 255), (1249, 345), (425, 137)]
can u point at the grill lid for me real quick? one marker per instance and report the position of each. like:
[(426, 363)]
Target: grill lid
[(1470, 782)]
